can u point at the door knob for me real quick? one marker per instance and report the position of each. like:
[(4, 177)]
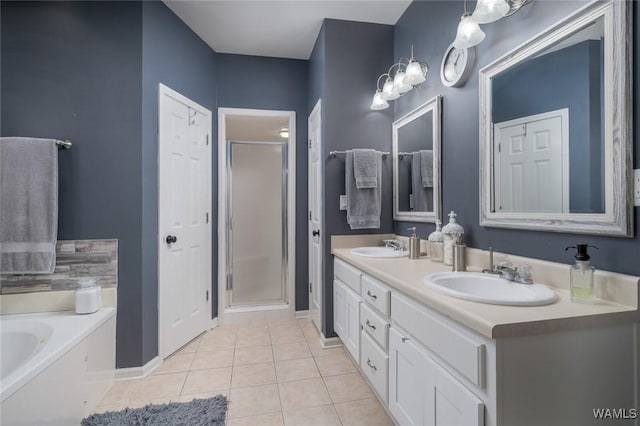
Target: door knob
[(316, 233), (171, 239)]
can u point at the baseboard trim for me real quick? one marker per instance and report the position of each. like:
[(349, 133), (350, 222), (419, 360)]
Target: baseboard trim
[(331, 342), (302, 314), (213, 324), (137, 372)]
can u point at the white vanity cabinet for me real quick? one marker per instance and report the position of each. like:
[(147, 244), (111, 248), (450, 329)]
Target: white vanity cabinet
[(346, 306)]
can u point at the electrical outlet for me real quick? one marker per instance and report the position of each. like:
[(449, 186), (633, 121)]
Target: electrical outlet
[(636, 187), (343, 202)]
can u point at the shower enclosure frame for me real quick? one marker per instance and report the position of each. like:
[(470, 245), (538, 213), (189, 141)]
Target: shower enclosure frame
[(259, 312)]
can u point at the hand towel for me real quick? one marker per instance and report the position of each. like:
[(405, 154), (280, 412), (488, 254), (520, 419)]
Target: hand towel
[(426, 168), (422, 200), (365, 168), (28, 205), (363, 205)]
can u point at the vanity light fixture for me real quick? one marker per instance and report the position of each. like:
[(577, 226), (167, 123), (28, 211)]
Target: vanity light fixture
[(469, 33), (284, 132), (406, 77)]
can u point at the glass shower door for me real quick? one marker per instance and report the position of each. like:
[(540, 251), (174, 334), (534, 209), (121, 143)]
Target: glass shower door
[(257, 224)]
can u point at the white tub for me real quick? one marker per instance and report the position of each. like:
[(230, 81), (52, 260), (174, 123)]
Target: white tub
[(54, 367)]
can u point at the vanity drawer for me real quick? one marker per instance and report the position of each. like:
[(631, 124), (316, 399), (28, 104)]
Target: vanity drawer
[(375, 365), (347, 274), (376, 294), (375, 326), (454, 345)]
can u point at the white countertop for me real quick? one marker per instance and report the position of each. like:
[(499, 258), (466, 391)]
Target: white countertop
[(492, 321)]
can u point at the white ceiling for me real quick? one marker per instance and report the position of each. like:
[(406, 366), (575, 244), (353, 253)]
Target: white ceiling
[(282, 29)]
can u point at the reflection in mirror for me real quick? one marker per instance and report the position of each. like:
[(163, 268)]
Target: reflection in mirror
[(416, 153), (555, 128), (548, 146)]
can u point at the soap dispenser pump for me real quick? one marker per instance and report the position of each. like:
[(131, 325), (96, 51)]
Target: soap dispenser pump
[(414, 244), (453, 234), (581, 275)]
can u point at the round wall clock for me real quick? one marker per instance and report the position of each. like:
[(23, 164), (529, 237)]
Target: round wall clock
[(457, 65)]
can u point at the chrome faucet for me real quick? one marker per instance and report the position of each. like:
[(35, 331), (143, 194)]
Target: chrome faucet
[(395, 244), (520, 274)]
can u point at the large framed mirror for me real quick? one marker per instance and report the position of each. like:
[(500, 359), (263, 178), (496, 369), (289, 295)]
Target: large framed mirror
[(416, 164), (555, 128)]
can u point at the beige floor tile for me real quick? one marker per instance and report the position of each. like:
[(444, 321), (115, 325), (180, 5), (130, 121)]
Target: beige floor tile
[(200, 381), (244, 402), (190, 347), (296, 369), (364, 412), (253, 355), (249, 341), (272, 419), (204, 395), (303, 394), (320, 352), (139, 403), (212, 342), (253, 375), (104, 408), (348, 387), (333, 365), (119, 392), (158, 386), (286, 335), (324, 415), (176, 363), (212, 359), (287, 351)]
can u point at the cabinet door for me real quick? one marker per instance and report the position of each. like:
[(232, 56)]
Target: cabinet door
[(447, 402), (352, 324), (406, 383), (339, 309)]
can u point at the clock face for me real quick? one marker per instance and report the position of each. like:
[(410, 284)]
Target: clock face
[(456, 66)]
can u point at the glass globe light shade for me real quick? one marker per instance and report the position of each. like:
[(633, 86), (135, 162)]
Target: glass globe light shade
[(490, 11), (416, 73), (399, 83), (469, 33), (389, 92), (378, 103)]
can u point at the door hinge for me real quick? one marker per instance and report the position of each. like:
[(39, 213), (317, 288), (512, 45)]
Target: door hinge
[(207, 141), (207, 295), (499, 147), (309, 143), (309, 214), (310, 287), (206, 217)]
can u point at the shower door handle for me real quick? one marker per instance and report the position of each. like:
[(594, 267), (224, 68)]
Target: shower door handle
[(316, 233), (171, 239)]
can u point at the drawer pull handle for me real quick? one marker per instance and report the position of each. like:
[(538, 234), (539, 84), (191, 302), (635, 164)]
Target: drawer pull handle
[(371, 366), (371, 326), (404, 339), (373, 296)]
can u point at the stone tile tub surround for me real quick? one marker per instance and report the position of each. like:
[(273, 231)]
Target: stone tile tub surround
[(75, 261), (619, 294)]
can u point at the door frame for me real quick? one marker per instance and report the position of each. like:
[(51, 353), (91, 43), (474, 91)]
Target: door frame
[(225, 314), (316, 115), (162, 92)]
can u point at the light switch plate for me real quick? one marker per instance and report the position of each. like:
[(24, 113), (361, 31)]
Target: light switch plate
[(343, 202), (636, 187)]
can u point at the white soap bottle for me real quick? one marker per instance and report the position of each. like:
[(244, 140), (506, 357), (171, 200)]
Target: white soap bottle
[(453, 234), (88, 296), (436, 242)]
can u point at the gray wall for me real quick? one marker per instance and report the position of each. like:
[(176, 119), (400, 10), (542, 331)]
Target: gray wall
[(258, 82), (346, 62), (72, 70), (435, 22), (175, 56)]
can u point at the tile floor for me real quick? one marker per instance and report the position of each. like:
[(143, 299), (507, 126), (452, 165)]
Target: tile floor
[(272, 375)]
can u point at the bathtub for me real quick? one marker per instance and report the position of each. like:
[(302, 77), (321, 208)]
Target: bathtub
[(54, 367)]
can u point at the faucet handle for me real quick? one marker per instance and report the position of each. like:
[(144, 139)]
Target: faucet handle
[(524, 271)]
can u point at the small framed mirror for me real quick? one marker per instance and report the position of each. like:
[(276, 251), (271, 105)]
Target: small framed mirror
[(416, 164), (555, 128)]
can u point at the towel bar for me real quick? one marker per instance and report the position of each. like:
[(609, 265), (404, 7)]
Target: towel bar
[(66, 144), (334, 154)]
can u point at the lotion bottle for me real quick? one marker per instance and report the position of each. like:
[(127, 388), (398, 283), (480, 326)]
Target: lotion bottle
[(436, 242), (581, 275), (453, 234)]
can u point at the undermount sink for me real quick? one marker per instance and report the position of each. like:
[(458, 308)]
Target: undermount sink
[(487, 288), (378, 252)]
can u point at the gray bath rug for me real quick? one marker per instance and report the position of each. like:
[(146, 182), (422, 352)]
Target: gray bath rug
[(199, 412)]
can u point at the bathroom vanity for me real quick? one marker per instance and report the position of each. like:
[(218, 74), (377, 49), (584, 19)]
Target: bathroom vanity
[(437, 360)]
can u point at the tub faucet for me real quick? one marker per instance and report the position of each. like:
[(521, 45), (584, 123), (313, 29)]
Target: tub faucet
[(395, 244)]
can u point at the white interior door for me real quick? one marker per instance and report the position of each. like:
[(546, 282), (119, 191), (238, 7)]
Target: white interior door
[(315, 216), (532, 164), (184, 205)]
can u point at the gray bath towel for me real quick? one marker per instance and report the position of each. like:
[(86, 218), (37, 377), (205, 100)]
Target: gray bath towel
[(28, 205), (363, 205), (365, 168), (426, 168), (422, 197)]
